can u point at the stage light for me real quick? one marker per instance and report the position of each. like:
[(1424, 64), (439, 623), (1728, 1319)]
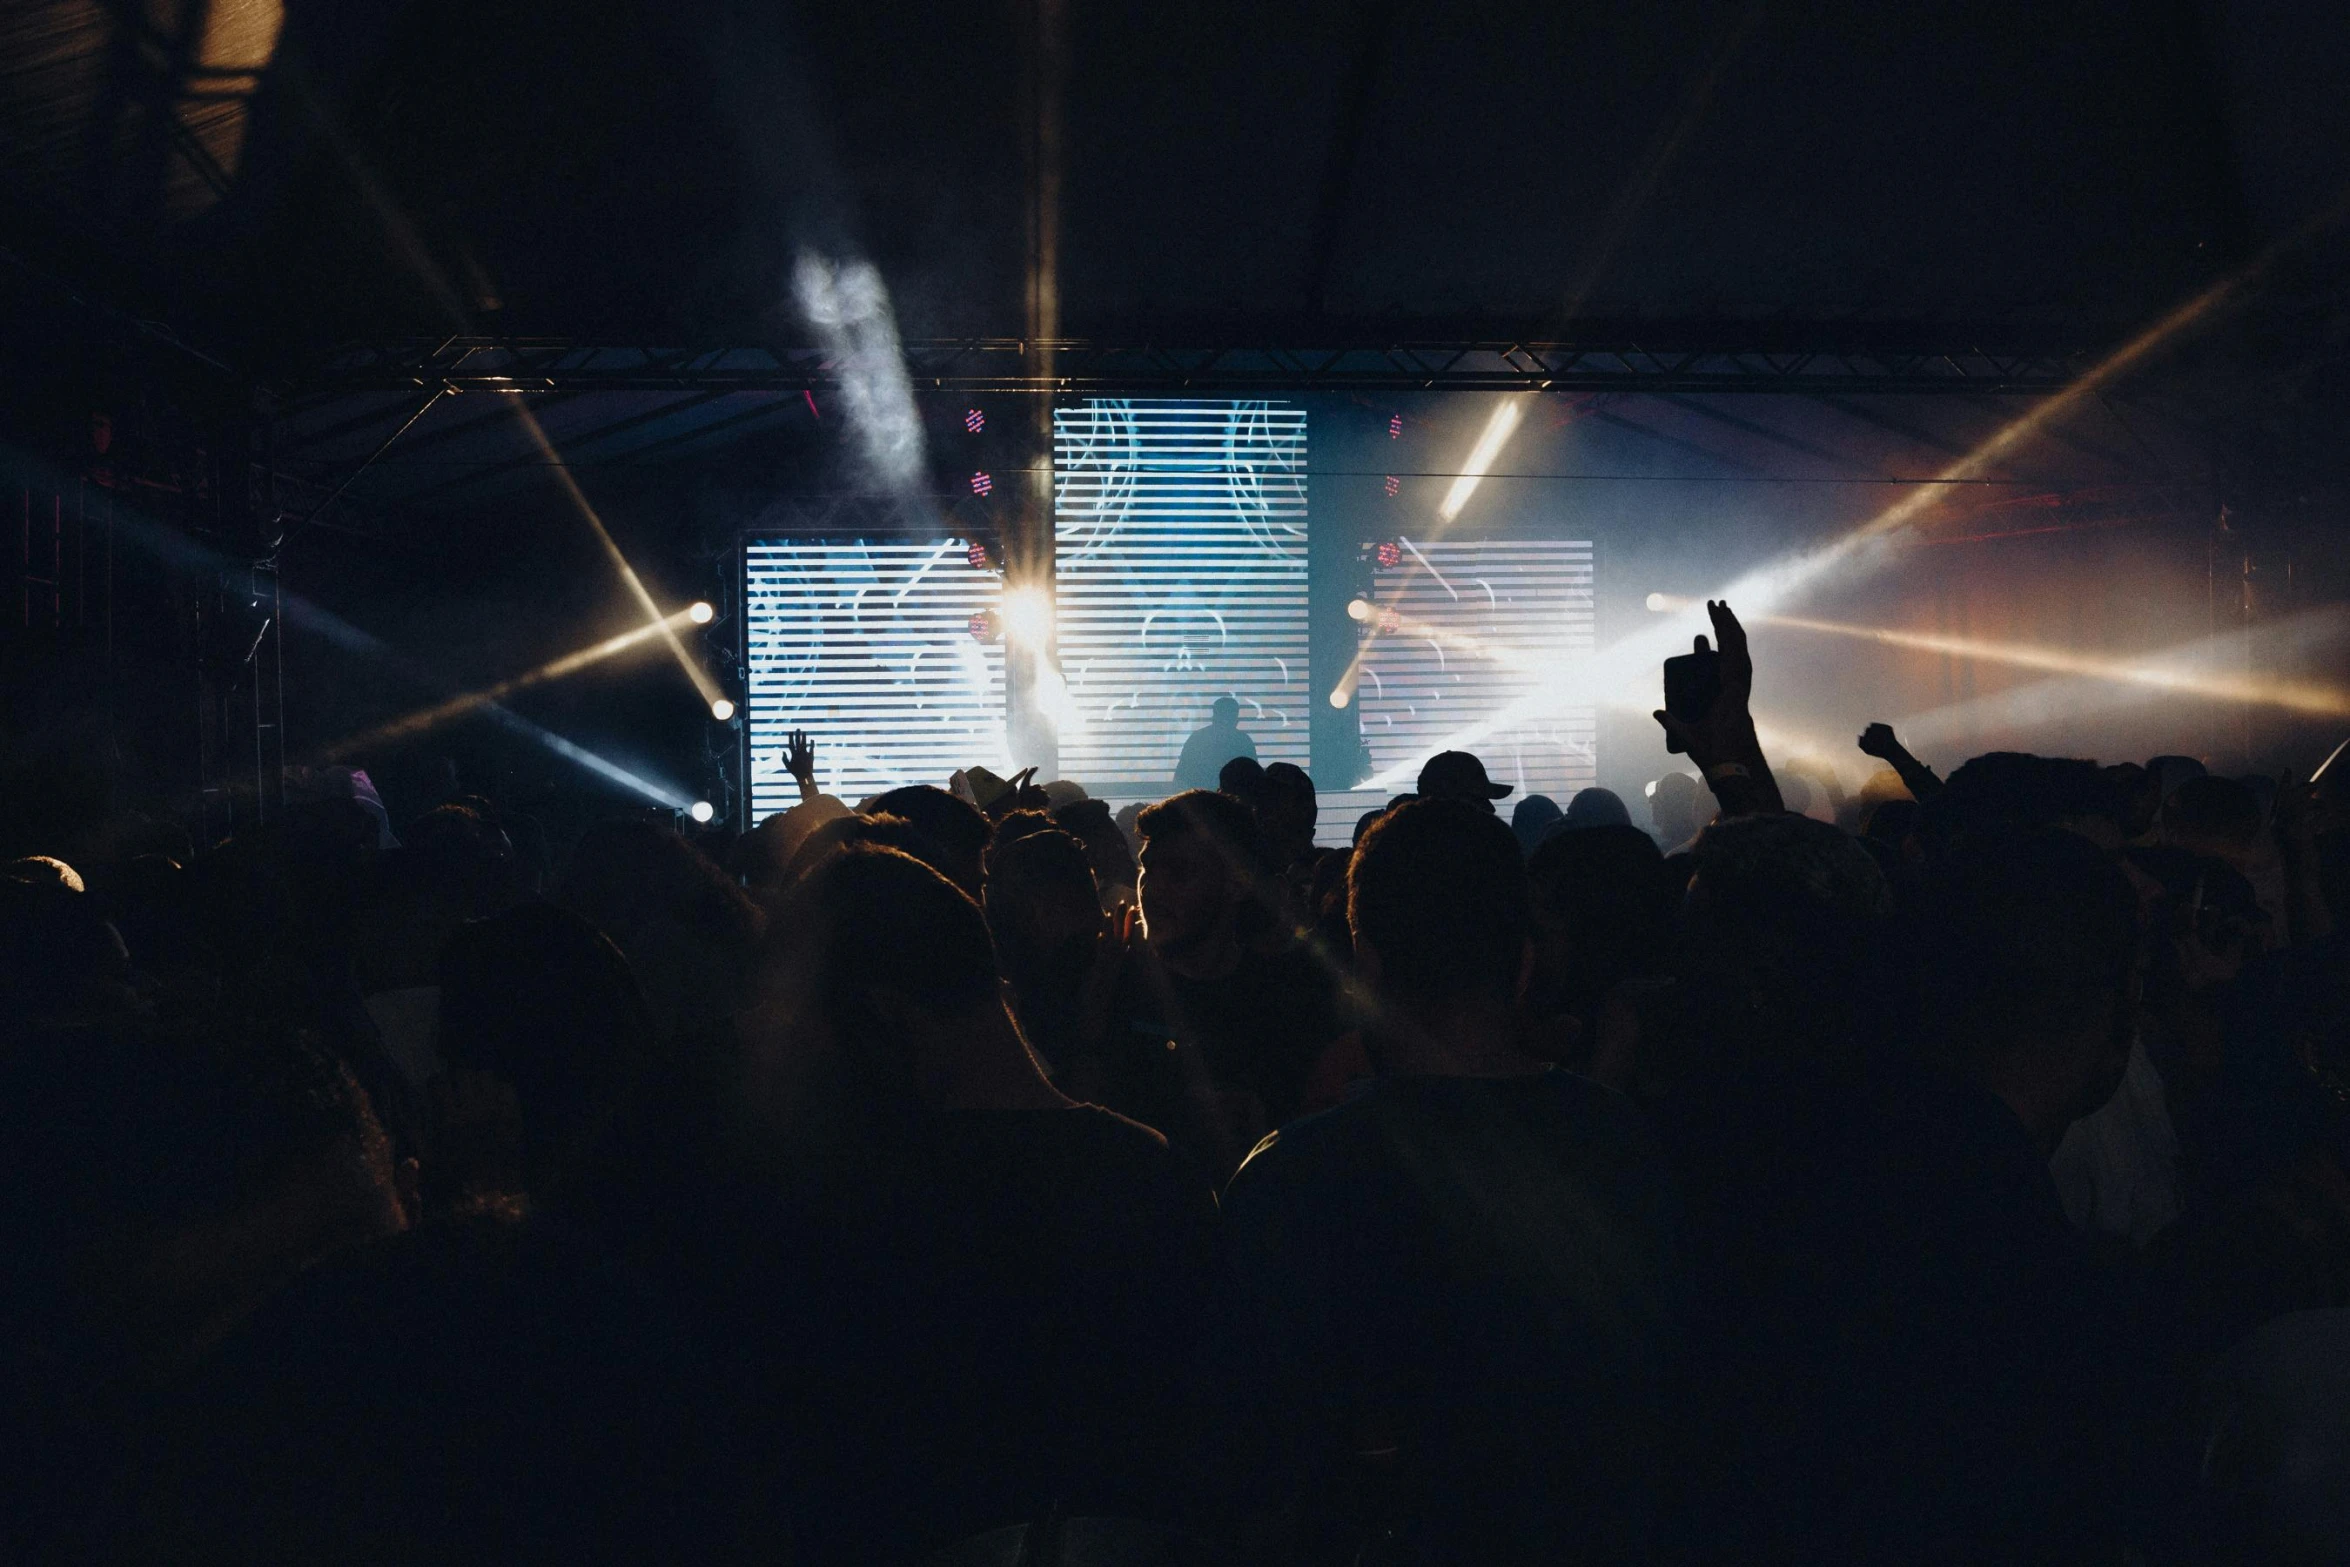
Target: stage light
[(1027, 615), (1394, 486), (981, 483), (974, 420), (635, 584), (1660, 603), (1340, 697), (1395, 427), (1389, 555), (699, 613), (1358, 609), (722, 710), (701, 810), (1498, 428)]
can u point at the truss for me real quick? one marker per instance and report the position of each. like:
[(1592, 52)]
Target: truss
[(1817, 361)]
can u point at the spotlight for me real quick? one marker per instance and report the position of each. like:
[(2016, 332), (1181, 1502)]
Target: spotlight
[(1340, 697), (701, 810), (1358, 609), (1666, 603), (1027, 617), (700, 613), (1389, 555), (722, 710), (981, 484), (978, 556), (974, 420)]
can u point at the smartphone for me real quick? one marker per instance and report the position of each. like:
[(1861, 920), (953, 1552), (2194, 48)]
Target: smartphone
[(1692, 683)]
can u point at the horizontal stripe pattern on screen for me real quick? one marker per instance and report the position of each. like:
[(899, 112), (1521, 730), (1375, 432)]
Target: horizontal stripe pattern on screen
[(1478, 625), (869, 647), (1180, 532)]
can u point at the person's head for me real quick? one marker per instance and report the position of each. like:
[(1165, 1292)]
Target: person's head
[(688, 932), (61, 962), (956, 827), (2026, 952), (1595, 808), (880, 971), (1673, 806), (1287, 810), (1603, 912), (1225, 713), (2002, 793), (1106, 848), (541, 1001), (1044, 912), (1437, 901), (1533, 820), (1457, 775), (767, 850), (2219, 817), (1243, 778), (1780, 940), (1203, 869)]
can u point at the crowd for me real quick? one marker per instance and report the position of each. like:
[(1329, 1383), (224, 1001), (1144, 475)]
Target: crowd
[(1961, 1179)]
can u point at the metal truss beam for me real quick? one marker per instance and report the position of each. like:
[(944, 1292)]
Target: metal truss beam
[(1827, 360)]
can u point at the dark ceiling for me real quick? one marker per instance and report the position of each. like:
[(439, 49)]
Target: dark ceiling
[(275, 182)]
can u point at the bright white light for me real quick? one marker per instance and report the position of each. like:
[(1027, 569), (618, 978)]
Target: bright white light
[(699, 613), (1341, 696), (1027, 616), (722, 710), (1506, 415), (1658, 603), (701, 810), (1358, 609)]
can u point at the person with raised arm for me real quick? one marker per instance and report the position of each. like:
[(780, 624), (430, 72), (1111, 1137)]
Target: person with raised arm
[(1721, 740), (1879, 741)]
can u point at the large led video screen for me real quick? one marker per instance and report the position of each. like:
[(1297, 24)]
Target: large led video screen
[(1180, 529), (881, 651)]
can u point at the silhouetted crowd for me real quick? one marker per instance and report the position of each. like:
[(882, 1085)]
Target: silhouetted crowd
[(977, 1175)]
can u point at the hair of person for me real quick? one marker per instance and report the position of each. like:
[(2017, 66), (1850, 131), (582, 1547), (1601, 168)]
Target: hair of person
[(2023, 934), (1243, 777), (956, 828), (1780, 938), (1533, 818), (544, 1000), (2002, 793), (1015, 826), (2213, 810), (1438, 891), (1043, 854), (1090, 823), (1216, 819), (1596, 807), (1290, 782), (1605, 892)]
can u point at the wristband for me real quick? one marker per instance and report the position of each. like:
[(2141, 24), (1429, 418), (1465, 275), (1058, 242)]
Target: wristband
[(1727, 770)]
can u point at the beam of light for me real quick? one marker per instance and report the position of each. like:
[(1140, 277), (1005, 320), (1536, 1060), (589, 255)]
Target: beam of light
[(2200, 668), (2161, 671), (654, 619), (1616, 667), (604, 767), (1498, 429), (440, 713), (848, 307), (1027, 614)]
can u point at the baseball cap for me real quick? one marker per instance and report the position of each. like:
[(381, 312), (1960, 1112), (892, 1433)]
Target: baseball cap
[(1457, 775)]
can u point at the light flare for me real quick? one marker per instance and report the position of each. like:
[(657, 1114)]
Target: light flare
[(1498, 429)]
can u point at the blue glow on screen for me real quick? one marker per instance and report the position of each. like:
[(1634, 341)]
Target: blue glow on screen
[(1180, 530)]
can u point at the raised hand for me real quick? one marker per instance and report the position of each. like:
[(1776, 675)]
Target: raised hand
[(1722, 741), (799, 759), (1879, 741)]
